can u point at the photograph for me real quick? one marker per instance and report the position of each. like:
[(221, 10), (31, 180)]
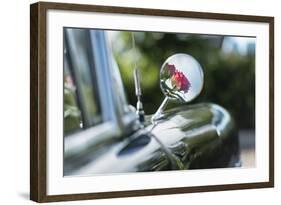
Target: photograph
[(130, 102), (143, 101)]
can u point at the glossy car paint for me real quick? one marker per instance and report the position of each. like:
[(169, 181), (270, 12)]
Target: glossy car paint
[(189, 137)]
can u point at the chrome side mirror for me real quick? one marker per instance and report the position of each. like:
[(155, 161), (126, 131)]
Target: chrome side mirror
[(181, 79)]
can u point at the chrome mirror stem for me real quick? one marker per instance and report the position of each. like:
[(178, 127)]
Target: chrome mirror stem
[(159, 112)]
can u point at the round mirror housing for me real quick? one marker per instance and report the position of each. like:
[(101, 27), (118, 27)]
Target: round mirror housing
[(181, 78)]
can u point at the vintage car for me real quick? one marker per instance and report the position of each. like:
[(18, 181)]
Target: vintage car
[(104, 134)]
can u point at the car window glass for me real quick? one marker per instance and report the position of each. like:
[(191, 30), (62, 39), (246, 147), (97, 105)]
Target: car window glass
[(83, 70), (72, 113)]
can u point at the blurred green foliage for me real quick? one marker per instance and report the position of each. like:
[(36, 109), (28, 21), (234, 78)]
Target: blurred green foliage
[(229, 77), (72, 115)]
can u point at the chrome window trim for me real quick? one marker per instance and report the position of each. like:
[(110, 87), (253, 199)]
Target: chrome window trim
[(113, 124), (126, 117), (103, 75)]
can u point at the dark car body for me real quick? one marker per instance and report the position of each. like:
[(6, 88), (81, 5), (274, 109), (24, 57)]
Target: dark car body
[(197, 136)]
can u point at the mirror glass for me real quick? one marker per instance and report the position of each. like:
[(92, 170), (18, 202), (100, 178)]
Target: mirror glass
[(181, 77)]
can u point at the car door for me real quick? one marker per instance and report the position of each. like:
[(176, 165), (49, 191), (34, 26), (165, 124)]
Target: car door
[(101, 131)]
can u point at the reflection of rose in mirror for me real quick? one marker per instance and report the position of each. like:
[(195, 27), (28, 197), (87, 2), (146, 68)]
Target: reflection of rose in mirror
[(181, 78), (180, 82)]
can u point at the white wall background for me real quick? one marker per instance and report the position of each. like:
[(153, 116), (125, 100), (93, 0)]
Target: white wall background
[(14, 102)]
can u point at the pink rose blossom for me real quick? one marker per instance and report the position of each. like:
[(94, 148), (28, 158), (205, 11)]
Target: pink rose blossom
[(180, 81)]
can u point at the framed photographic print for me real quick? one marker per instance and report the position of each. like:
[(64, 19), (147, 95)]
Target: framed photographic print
[(134, 102)]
